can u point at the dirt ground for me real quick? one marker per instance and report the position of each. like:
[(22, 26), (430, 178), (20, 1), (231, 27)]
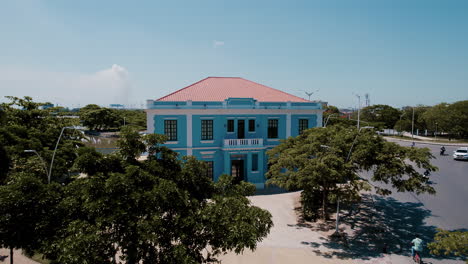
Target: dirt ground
[(369, 227)]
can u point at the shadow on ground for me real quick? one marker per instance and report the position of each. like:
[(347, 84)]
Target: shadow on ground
[(378, 225)]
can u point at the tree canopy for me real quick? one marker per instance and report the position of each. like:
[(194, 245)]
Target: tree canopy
[(451, 118), (381, 113), (101, 118), (161, 210), (25, 125), (325, 164), (450, 243)]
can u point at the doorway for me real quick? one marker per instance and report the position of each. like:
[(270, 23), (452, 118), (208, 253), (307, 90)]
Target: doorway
[(237, 170)]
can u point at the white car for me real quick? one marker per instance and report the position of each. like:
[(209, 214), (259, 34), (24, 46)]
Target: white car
[(461, 154)]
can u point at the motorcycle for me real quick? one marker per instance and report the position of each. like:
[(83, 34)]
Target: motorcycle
[(442, 151)]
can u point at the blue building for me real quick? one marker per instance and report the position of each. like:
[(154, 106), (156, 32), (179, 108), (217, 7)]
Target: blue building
[(230, 123)]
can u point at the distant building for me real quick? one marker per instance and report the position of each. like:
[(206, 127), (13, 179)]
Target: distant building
[(47, 106), (117, 106), (230, 123)]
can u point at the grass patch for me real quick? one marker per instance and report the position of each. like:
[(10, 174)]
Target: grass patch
[(435, 141)]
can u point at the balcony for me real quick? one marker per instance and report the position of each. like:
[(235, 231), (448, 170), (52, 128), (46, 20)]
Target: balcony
[(243, 143)]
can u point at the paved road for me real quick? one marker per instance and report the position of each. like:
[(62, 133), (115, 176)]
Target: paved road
[(449, 207), (404, 214)]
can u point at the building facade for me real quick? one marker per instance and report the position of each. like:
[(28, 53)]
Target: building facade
[(230, 123)]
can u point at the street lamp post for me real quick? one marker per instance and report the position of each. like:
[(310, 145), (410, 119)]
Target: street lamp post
[(347, 159), (326, 121), (358, 110), (42, 160), (400, 122), (55, 150), (412, 127)]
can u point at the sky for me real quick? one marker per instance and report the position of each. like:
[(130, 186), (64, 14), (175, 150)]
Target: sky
[(74, 53)]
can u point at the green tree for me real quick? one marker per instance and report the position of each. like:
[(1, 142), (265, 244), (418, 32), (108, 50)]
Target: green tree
[(136, 118), (325, 164), (25, 125), (26, 204), (438, 117), (450, 243), (132, 144), (330, 115), (91, 162), (161, 210), (406, 118), (99, 118), (459, 119), (381, 113), (4, 164)]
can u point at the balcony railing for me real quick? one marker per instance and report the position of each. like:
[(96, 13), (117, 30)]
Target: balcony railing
[(243, 143)]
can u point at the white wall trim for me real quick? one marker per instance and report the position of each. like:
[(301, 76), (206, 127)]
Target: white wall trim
[(150, 123), (189, 130), (288, 125), (207, 152), (189, 135), (233, 111)]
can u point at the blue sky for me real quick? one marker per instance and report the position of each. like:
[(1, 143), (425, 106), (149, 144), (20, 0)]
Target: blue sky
[(78, 52)]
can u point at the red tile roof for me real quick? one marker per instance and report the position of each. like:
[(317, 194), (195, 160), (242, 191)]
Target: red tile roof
[(221, 88)]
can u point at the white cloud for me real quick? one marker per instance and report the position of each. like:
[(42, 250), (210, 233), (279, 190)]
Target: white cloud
[(112, 85), (218, 43)]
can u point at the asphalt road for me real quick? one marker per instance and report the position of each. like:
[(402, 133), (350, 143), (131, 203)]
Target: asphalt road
[(448, 209)]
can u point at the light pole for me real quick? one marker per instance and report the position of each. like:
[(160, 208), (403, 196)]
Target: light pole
[(326, 121), (412, 127), (42, 160), (435, 135), (311, 93), (338, 199), (400, 121), (55, 150), (358, 110)]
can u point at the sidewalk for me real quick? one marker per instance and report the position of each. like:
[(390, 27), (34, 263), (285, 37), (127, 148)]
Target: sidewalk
[(18, 258), (290, 242)]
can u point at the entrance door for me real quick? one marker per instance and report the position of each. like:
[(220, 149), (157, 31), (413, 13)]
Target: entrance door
[(237, 170), (240, 128)]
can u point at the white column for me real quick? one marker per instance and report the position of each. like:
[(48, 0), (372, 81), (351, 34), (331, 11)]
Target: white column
[(150, 123), (319, 119), (189, 135), (288, 125)]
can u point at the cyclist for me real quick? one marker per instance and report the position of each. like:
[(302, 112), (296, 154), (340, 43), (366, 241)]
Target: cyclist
[(417, 246)]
